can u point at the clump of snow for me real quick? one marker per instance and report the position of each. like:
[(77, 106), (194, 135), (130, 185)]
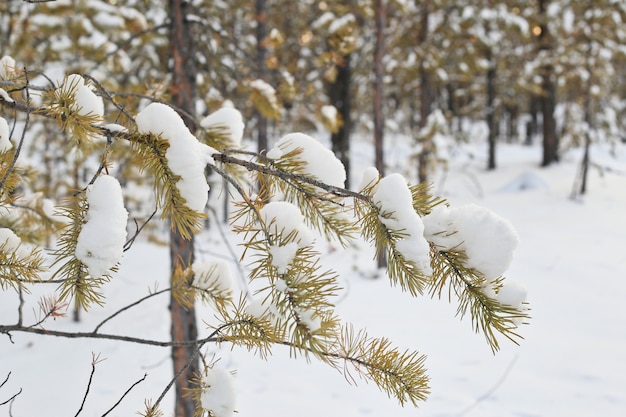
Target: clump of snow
[(7, 67), (186, 156), (86, 102), (266, 91), (218, 393), (487, 239), (229, 119), (102, 237), (394, 200), (287, 226), (49, 209), (282, 256), (115, 128), (318, 161), (10, 243), (285, 221), (214, 274), (5, 133), (369, 178), (331, 117), (309, 318), (512, 294), (5, 96)]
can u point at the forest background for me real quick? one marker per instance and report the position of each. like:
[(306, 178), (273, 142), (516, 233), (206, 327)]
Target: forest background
[(440, 75)]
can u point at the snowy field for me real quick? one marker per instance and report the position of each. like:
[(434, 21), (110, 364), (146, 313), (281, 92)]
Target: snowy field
[(572, 362)]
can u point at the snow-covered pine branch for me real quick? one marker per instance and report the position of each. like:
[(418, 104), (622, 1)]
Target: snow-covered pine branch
[(429, 245)]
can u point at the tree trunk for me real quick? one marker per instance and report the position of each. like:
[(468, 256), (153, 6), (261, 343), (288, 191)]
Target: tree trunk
[(183, 89), (380, 11), (426, 99), (261, 29), (339, 96), (491, 110), (548, 96), (548, 104)]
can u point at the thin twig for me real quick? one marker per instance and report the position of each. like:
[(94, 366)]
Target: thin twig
[(12, 397), (95, 360), (120, 311), (138, 230), (235, 258), (491, 390), (108, 95), (125, 394)]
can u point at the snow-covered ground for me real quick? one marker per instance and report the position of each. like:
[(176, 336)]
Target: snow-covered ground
[(571, 363)]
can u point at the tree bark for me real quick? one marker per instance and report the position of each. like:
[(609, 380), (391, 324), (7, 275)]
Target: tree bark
[(548, 96), (183, 90), (339, 96), (426, 99), (261, 32), (380, 11), (491, 110)]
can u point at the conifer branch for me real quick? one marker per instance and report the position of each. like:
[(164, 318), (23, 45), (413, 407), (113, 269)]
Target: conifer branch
[(489, 316), (151, 151), (21, 141)]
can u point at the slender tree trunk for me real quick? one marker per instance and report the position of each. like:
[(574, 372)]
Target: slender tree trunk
[(588, 121), (261, 32), (491, 110), (183, 89), (426, 99), (380, 10), (548, 104), (339, 95), (548, 97)]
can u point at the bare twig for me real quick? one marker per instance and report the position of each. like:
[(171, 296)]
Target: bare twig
[(95, 359), (491, 390), (138, 230), (120, 311), (125, 394)]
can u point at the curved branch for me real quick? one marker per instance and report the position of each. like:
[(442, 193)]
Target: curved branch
[(253, 166)]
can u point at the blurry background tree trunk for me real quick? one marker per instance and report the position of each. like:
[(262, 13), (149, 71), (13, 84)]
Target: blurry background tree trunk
[(548, 95), (261, 32), (491, 109), (380, 11), (340, 97), (426, 98), (183, 90)]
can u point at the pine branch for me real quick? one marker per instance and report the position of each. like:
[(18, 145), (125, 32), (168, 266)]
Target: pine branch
[(151, 151), (75, 281), (489, 316)]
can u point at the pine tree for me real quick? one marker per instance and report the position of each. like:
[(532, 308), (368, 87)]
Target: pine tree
[(425, 240)]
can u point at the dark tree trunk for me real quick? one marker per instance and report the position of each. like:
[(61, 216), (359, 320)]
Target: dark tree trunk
[(491, 110), (426, 99), (548, 96), (261, 32), (548, 104), (183, 89), (339, 96), (380, 11), (532, 124)]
